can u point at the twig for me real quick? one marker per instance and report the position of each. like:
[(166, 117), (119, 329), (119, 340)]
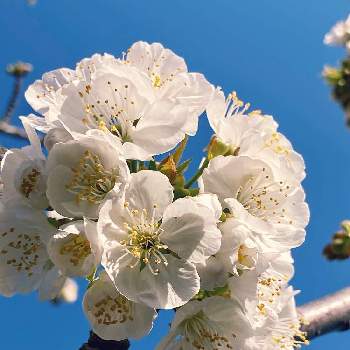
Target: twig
[(198, 174), (12, 130), (13, 99), (328, 314)]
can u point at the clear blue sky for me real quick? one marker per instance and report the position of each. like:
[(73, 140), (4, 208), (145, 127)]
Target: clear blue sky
[(269, 51)]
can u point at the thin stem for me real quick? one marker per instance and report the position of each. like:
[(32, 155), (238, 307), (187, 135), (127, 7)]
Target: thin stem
[(198, 174), (12, 130), (13, 99), (180, 150)]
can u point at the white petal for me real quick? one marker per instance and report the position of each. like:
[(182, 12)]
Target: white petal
[(186, 220), (42, 94), (160, 129), (173, 286), (150, 190), (154, 60), (112, 316), (51, 285)]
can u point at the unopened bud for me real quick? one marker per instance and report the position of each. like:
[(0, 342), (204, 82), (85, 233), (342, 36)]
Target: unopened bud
[(19, 69), (69, 291), (168, 168), (218, 148)]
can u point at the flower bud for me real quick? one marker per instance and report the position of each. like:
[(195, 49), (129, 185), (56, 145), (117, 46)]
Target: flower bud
[(19, 69)]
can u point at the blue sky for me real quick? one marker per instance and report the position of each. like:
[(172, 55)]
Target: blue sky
[(269, 51)]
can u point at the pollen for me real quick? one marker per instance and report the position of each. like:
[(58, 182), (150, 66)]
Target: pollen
[(78, 248), (91, 181), (29, 182), (143, 241), (22, 253), (263, 197), (113, 310), (201, 333), (157, 82)]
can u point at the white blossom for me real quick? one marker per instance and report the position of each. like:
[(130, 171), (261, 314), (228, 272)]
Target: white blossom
[(144, 252), (282, 331), (267, 197), (339, 35), (171, 79), (214, 323), (23, 256), (107, 93), (260, 293), (252, 134), (23, 172), (112, 316), (70, 250), (82, 172)]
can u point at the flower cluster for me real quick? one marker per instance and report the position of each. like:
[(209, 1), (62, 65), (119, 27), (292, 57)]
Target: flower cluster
[(108, 200)]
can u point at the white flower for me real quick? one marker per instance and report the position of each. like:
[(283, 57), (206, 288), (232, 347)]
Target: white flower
[(24, 233), (214, 323), (152, 244), (339, 35), (70, 250), (23, 172), (282, 331), (262, 193), (248, 242), (115, 104), (260, 293), (253, 135), (170, 79), (112, 316), (106, 93), (238, 251), (82, 172)]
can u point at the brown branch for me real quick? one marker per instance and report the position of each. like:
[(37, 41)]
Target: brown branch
[(13, 99), (328, 314)]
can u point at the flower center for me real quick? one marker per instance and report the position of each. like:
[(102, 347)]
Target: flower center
[(288, 335), (112, 311), (143, 240), (156, 80), (264, 198), (245, 257), (114, 113), (203, 334), (29, 182), (91, 181), (268, 291), (78, 248)]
